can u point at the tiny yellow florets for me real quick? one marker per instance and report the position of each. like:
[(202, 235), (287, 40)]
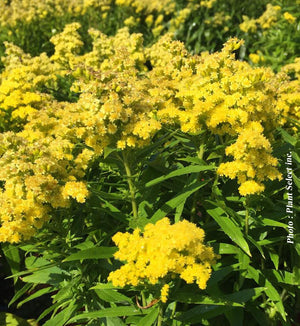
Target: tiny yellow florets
[(75, 190), (164, 293), (163, 250), (122, 103), (289, 17)]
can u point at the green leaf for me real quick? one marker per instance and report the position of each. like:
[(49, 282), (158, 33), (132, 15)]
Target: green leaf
[(287, 137), (63, 316), (257, 245), (179, 172), (275, 258), (270, 290), (110, 295), (235, 317), (226, 248), (19, 294), (192, 298), (195, 315), (283, 277), (176, 201), (258, 315), (114, 321), (93, 253), (229, 227), (113, 211), (35, 295), (220, 274), (67, 291), (296, 181), (108, 151), (108, 312), (245, 295), (235, 299), (7, 319), (178, 212), (43, 274), (12, 256), (101, 286), (48, 310), (149, 319), (269, 222)]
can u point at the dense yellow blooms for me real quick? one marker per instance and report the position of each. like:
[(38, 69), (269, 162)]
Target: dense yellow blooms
[(122, 103), (163, 250), (164, 293), (268, 19), (253, 161), (31, 10), (149, 6), (289, 17), (256, 57), (75, 190), (230, 98), (207, 3), (20, 82), (293, 67), (248, 25)]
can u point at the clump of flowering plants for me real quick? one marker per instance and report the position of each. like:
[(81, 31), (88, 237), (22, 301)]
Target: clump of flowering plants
[(148, 148)]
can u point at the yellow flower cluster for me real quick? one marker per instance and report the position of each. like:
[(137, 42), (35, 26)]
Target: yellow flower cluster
[(219, 19), (42, 165), (31, 10), (149, 6), (164, 293), (269, 17), (126, 93), (19, 85), (252, 160), (231, 98), (40, 169), (289, 17), (75, 190), (266, 20), (207, 3), (163, 250), (256, 57)]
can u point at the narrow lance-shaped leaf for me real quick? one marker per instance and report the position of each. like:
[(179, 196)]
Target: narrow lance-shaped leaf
[(108, 312), (93, 253), (179, 172), (228, 226), (176, 201)]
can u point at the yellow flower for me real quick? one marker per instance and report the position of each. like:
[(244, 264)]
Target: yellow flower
[(75, 190), (289, 17), (250, 187), (254, 57), (164, 293), (161, 250)]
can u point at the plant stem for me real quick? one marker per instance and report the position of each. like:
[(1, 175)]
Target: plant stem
[(131, 186), (143, 299), (247, 220), (160, 315), (174, 310)]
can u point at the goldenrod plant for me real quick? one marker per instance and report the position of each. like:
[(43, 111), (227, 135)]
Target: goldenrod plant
[(149, 165)]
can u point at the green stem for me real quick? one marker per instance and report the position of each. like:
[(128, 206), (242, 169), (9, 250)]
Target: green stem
[(131, 186), (246, 219), (143, 299), (174, 310), (160, 315), (247, 222)]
